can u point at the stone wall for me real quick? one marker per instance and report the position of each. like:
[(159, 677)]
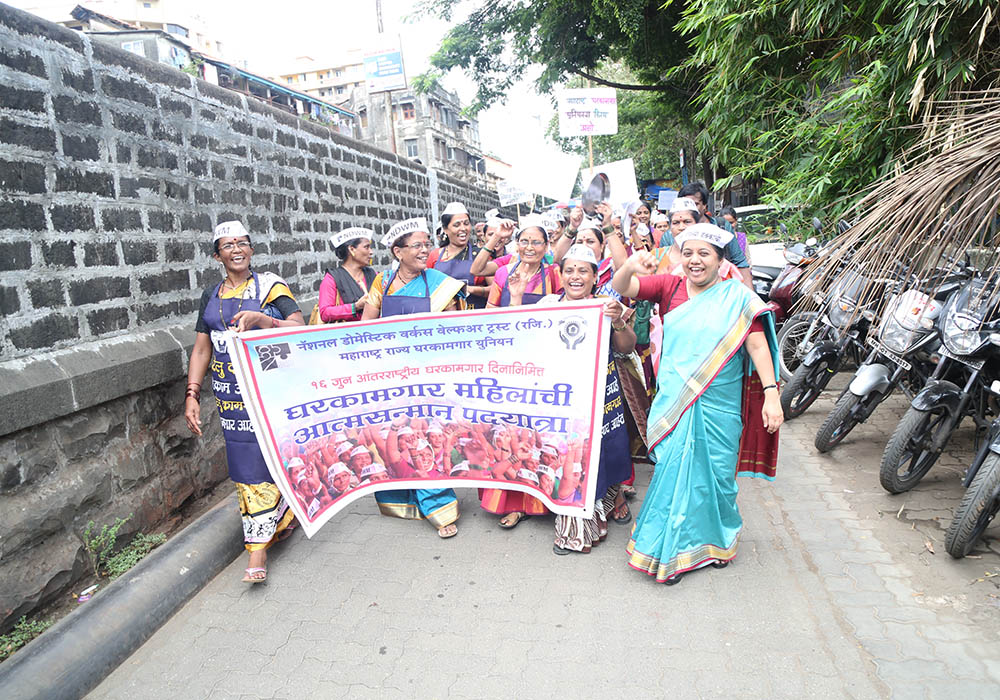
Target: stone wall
[(113, 172)]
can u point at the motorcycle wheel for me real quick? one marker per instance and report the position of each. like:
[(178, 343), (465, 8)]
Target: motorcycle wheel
[(805, 386), (792, 332), (979, 506), (905, 448), (840, 422)]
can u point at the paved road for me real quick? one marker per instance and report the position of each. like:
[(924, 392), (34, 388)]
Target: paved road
[(834, 593)]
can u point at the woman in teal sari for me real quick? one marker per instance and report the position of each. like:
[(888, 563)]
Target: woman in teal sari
[(710, 419)]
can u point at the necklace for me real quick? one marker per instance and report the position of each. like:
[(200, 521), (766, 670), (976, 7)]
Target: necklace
[(243, 296)]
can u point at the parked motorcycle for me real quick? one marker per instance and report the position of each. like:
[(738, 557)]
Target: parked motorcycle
[(958, 387), (981, 501), (901, 356), (834, 337)]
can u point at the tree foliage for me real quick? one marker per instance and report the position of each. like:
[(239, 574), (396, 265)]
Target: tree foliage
[(500, 39), (816, 97)]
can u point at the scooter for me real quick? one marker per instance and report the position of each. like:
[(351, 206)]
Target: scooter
[(981, 501), (958, 387), (902, 355)]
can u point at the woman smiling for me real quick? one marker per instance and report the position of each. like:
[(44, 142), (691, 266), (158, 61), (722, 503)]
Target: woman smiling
[(456, 256)]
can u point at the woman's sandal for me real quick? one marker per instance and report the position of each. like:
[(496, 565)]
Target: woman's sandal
[(508, 525), (673, 580), (720, 564), (628, 491), (445, 535), (250, 578), (621, 519)]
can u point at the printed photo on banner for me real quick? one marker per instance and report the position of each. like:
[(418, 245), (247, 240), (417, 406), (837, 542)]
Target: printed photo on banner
[(475, 399)]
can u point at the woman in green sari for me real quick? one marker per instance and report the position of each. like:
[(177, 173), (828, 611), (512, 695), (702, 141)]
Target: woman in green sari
[(710, 419)]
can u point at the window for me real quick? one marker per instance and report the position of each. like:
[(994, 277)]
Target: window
[(340, 89), (411, 148), (302, 77), (339, 73), (364, 118), (176, 29), (135, 47), (408, 111), (451, 153), (290, 79)]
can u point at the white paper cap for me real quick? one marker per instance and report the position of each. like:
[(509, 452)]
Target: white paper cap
[(710, 233), (422, 445), (547, 471), (339, 468), (404, 227), (372, 469), (589, 224), (527, 474), (349, 234), (295, 462), (405, 430), (683, 204), (460, 467), (359, 450), (230, 229), (344, 447), (581, 252), (454, 208), (492, 214), (530, 221), (656, 218)]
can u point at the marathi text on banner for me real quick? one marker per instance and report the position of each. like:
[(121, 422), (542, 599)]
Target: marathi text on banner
[(587, 112), (505, 398), (508, 193)]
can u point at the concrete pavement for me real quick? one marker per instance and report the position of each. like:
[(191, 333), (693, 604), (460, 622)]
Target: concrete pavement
[(831, 595)]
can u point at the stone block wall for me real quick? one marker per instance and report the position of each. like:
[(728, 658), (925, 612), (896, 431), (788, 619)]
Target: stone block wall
[(113, 172)]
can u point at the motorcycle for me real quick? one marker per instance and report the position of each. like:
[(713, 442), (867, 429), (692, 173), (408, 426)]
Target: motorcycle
[(958, 387), (981, 501), (901, 356), (835, 336)]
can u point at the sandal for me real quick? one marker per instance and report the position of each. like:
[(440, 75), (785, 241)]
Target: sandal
[(251, 578), (628, 491), (445, 535), (508, 525), (621, 519), (673, 580), (720, 564)]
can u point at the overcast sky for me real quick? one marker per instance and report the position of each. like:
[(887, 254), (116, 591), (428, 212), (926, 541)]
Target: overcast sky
[(270, 35)]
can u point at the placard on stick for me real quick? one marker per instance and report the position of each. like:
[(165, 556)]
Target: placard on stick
[(587, 112), (511, 193)]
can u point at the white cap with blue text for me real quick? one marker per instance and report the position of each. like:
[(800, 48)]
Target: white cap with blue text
[(710, 233), (404, 227), (350, 234), (683, 204), (230, 229)]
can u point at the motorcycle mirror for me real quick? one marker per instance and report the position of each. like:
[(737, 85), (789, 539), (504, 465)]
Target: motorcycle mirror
[(597, 191), (811, 241), (817, 224)]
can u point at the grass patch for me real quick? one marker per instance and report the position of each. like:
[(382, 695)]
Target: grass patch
[(141, 545), (24, 631)]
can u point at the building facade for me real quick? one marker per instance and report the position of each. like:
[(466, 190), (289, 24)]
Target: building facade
[(334, 80)]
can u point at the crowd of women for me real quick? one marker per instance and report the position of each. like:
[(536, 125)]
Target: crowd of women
[(691, 356)]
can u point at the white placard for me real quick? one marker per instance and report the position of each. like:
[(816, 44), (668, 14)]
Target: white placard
[(665, 198), (511, 193), (621, 176), (587, 112)]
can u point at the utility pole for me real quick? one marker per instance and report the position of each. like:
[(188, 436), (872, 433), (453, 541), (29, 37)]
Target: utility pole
[(388, 93)]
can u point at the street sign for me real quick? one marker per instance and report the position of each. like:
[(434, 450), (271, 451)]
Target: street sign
[(587, 112), (384, 69)]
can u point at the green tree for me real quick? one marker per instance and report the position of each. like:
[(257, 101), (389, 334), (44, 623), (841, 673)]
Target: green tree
[(500, 39), (816, 97)]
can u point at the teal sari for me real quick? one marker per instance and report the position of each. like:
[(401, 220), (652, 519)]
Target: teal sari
[(689, 517)]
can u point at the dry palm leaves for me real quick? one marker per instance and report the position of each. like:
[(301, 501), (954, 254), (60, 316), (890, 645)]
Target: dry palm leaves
[(941, 203)]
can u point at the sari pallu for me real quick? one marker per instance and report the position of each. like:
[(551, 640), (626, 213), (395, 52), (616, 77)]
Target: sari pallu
[(697, 431)]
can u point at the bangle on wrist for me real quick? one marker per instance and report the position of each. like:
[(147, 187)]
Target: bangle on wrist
[(770, 386)]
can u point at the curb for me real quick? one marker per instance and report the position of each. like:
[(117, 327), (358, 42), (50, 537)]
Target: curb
[(78, 652)]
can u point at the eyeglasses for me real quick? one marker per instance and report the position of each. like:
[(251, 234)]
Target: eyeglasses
[(245, 245), (533, 244), (419, 246)]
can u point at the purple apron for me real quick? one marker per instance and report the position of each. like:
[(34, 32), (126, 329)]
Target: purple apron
[(462, 271), (526, 298), (246, 463), (426, 500)]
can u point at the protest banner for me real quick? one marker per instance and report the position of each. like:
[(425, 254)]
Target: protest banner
[(509, 398), (510, 193), (587, 112)]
